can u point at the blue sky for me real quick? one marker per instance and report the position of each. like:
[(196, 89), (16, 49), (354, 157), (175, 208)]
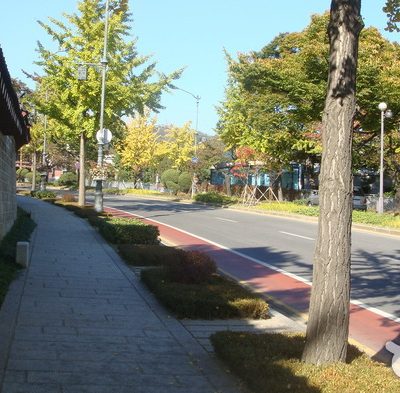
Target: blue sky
[(179, 33)]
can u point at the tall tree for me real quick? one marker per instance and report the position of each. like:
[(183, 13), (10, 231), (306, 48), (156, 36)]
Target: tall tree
[(132, 82), (328, 322), (290, 73)]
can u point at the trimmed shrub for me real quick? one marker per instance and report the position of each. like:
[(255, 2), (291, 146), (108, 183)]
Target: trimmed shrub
[(170, 179), (29, 177), (45, 194), (185, 181), (214, 197), (68, 179), (126, 230), (191, 267), (148, 254), (214, 299), (172, 187), (21, 174)]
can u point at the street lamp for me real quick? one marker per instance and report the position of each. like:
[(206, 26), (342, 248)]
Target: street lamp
[(388, 114), (98, 197), (194, 159)]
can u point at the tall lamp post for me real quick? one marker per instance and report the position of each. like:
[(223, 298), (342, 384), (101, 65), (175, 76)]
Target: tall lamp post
[(388, 114), (194, 159), (98, 198)]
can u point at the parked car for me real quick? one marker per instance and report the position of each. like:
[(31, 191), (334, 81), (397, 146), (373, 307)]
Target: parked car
[(359, 199)]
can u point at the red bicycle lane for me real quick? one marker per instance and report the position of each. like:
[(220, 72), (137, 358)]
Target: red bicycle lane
[(369, 328)]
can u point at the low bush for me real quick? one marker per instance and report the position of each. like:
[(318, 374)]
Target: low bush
[(68, 179), (45, 194), (148, 254), (214, 197), (126, 230), (271, 363), (191, 267), (21, 174), (169, 179), (21, 231), (86, 211), (185, 181), (218, 297), (29, 177)]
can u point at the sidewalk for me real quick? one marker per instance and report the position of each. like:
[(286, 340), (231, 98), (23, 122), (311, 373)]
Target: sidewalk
[(79, 320)]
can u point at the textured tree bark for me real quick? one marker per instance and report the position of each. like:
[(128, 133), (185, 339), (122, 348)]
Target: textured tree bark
[(328, 323), (82, 191)]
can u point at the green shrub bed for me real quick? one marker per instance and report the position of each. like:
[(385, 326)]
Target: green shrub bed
[(119, 230), (216, 298), (215, 198), (271, 363), (359, 217), (45, 194), (147, 254), (21, 231)]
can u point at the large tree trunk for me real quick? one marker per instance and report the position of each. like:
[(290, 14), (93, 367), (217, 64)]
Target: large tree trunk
[(328, 323), (81, 193)]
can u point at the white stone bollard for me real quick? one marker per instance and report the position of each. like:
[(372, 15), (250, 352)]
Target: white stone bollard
[(22, 257)]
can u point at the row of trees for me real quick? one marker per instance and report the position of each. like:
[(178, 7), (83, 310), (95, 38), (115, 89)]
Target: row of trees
[(274, 105), (68, 110), (148, 148), (275, 98), (72, 106)]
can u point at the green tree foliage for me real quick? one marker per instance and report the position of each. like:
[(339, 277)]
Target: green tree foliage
[(210, 152), (131, 79), (275, 97)]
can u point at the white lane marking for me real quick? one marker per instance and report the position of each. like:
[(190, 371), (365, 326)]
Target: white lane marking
[(293, 234), (305, 281), (225, 219)]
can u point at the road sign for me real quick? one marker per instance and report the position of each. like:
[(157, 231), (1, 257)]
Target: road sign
[(104, 136)]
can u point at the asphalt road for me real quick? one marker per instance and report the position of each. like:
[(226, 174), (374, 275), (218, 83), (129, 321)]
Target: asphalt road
[(284, 243)]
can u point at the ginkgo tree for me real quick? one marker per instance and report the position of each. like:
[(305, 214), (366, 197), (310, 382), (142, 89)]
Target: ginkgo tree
[(138, 148), (132, 81), (179, 146)]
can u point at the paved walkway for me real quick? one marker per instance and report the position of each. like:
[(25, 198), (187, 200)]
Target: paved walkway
[(79, 320)]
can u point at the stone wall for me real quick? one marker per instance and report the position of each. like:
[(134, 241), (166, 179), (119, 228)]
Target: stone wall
[(8, 203)]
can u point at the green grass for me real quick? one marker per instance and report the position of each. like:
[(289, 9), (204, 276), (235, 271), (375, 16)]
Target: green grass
[(140, 191), (21, 231), (288, 207), (387, 220), (270, 363), (217, 298)]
